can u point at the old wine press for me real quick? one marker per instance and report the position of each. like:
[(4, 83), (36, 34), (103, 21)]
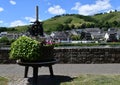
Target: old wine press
[(36, 28)]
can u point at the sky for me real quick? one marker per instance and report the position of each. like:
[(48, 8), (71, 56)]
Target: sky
[(22, 12)]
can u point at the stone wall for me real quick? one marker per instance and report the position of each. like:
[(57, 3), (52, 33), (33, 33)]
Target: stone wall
[(78, 55), (4, 56), (88, 55)]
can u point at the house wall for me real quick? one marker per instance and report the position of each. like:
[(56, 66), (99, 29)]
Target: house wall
[(106, 36), (78, 55)]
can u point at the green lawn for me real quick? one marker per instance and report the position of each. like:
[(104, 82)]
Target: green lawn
[(3, 81), (90, 79)]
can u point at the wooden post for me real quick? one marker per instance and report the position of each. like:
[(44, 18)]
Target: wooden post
[(35, 75), (51, 70), (26, 71)]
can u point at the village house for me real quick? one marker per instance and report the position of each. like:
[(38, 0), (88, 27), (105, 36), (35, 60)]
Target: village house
[(93, 34), (10, 35), (3, 34), (59, 36), (111, 35), (118, 34)]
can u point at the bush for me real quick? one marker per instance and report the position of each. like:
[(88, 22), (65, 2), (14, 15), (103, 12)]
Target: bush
[(75, 37), (4, 40), (25, 48)]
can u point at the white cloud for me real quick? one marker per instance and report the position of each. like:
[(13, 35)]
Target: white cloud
[(56, 10), (1, 9), (17, 23), (30, 19), (111, 10), (12, 2), (89, 9), (1, 21)]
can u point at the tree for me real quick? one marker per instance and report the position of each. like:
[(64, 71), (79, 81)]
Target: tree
[(99, 24), (66, 27), (75, 37), (118, 24), (2, 29), (67, 21), (59, 27), (72, 26), (90, 25), (4, 40), (78, 27), (83, 25), (107, 25), (11, 29), (115, 10), (115, 23)]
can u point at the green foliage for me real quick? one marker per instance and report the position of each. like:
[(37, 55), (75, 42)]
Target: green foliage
[(2, 29), (59, 27), (28, 49), (67, 21), (53, 24), (4, 40), (75, 37), (11, 29), (83, 25), (25, 48), (72, 26), (21, 28), (80, 21), (108, 20), (66, 27)]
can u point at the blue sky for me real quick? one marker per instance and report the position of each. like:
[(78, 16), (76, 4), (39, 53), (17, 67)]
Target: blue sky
[(22, 12)]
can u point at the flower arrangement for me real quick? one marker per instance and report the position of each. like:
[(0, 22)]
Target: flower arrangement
[(28, 49)]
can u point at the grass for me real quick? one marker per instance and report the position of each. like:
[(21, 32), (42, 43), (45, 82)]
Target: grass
[(3, 81), (89, 79)]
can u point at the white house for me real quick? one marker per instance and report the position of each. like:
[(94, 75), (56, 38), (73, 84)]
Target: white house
[(111, 35), (2, 34)]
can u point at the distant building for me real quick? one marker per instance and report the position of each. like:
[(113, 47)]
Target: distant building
[(3, 34), (92, 30), (10, 35), (111, 35), (96, 33), (59, 35), (88, 36)]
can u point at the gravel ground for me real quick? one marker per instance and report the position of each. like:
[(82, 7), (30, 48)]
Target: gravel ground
[(63, 72)]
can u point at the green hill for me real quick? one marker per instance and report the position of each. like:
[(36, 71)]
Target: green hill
[(68, 19), (79, 21), (76, 21), (109, 17)]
